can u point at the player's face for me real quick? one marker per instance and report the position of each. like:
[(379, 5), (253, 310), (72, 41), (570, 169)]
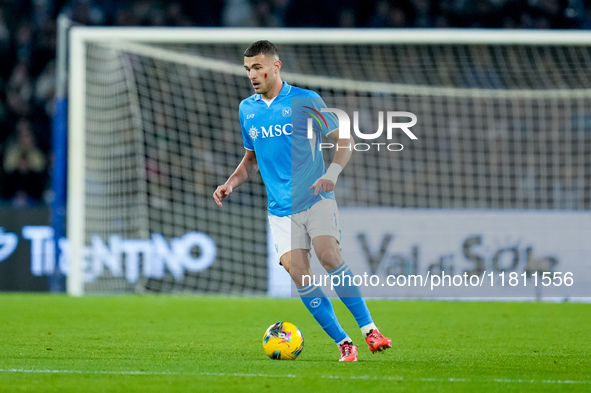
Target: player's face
[(262, 71)]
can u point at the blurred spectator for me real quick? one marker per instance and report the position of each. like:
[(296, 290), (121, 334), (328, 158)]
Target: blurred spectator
[(424, 14), (379, 18), (23, 42), (84, 12), (266, 15), (41, 13), (24, 168), (19, 90), (45, 88), (347, 18), (4, 38), (390, 14), (238, 13), (176, 16)]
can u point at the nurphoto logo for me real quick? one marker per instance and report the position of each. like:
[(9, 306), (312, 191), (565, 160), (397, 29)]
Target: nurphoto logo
[(392, 123)]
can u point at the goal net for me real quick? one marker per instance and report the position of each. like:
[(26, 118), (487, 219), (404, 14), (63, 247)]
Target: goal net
[(504, 122)]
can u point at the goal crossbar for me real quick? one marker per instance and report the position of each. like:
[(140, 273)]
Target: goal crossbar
[(335, 36)]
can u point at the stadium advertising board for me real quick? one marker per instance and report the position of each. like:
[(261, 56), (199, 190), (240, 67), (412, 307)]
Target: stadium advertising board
[(464, 253), (15, 252), (124, 258)]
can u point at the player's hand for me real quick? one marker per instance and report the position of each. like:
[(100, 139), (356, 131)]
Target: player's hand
[(222, 192), (323, 185)]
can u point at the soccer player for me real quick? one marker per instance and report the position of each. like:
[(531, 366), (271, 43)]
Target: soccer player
[(302, 207)]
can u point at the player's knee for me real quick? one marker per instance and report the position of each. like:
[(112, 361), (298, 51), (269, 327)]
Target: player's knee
[(301, 277), (330, 258), (295, 271), (286, 262), (299, 274)]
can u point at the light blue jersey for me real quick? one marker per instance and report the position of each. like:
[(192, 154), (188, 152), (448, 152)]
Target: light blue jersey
[(289, 162)]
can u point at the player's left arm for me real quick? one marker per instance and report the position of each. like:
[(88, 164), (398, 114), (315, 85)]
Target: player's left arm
[(328, 181)]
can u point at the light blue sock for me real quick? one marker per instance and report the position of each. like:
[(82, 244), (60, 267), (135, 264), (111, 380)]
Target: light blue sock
[(321, 308), (351, 295)]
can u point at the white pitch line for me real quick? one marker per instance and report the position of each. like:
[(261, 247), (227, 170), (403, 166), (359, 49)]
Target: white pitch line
[(33, 371), (246, 375), (499, 380), (260, 375)]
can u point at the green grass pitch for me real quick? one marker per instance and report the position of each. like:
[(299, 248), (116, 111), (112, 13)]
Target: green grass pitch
[(52, 343)]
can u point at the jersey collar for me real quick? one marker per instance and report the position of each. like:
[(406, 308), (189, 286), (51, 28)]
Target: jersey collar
[(284, 91)]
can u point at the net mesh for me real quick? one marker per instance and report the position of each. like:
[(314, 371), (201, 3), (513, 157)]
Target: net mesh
[(499, 127)]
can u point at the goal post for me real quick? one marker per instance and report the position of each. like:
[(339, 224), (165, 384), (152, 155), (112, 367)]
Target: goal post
[(503, 123), (76, 158)]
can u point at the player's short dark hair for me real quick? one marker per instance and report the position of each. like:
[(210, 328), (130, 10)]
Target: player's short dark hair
[(263, 46)]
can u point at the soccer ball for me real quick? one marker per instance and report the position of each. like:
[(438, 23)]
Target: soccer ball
[(283, 341)]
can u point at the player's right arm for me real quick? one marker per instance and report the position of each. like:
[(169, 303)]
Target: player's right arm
[(247, 167)]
